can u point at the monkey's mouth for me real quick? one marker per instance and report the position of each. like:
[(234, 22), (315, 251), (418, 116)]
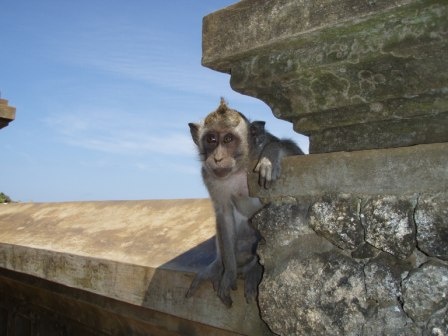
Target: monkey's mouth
[(222, 172)]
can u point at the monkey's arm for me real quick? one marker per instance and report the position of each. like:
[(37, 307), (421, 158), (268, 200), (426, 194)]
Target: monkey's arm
[(269, 165)]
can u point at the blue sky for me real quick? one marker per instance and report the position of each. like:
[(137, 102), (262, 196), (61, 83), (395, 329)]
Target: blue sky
[(104, 91)]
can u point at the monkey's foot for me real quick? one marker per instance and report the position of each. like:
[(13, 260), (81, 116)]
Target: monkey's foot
[(252, 279), (212, 273), (227, 283)]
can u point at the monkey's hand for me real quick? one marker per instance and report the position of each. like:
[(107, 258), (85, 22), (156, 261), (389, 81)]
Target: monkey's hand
[(269, 165), (228, 281), (268, 171)]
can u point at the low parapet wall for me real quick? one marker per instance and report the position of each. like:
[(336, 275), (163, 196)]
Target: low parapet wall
[(116, 268)]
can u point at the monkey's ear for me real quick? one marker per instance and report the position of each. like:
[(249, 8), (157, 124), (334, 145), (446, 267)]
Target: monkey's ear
[(194, 130), (257, 127)]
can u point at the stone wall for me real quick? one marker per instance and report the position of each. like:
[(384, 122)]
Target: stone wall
[(360, 259), (112, 268), (355, 234)]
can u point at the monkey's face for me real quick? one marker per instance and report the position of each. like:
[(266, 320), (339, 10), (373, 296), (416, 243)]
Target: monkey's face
[(223, 152), (222, 140)]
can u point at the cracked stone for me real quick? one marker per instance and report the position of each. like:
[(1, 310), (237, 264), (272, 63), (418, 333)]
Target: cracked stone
[(389, 225), (431, 220), (391, 320), (323, 294), (337, 219), (285, 230), (365, 251), (425, 291), (383, 278), (437, 324)]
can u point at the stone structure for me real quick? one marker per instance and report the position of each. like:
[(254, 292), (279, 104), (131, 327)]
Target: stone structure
[(356, 234), (7, 113), (112, 268)]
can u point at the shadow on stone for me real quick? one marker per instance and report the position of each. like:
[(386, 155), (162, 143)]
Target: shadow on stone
[(170, 282)]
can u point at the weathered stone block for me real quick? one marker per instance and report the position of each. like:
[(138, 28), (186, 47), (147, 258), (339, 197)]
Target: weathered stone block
[(383, 279), (352, 75), (323, 294), (425, 291), (437, 324), (389, 225), (285, 230), (394, 171), (365, 251), (390, 320), (389, 133), (431, 219), (337, 219)]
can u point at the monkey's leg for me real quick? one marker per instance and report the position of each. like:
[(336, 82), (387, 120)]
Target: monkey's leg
[(226, 239), (212, 272)]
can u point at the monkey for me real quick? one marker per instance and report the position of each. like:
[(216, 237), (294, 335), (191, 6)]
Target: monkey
[(228, 143)]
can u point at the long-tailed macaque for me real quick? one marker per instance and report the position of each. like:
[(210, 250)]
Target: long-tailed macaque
[(228, 143)]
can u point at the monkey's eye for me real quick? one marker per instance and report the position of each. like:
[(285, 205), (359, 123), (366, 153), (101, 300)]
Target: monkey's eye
[(211, 138), (228, 138)]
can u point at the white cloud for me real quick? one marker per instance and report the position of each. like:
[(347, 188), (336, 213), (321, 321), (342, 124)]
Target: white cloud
[(131, 52), (121, 133)]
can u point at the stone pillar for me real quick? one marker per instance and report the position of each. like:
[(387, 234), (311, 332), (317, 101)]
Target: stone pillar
[(356, 233), (7, 113)]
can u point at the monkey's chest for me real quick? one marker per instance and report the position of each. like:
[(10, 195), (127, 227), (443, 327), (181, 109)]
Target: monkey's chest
[(237, 185)]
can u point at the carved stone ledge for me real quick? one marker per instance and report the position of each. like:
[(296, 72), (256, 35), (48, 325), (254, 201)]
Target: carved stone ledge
[(352, 75), (7, 113)]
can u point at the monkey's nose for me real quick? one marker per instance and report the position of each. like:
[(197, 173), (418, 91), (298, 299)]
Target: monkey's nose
[(218, 159)]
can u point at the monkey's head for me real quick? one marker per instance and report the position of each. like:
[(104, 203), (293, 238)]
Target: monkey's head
[(222, 140)]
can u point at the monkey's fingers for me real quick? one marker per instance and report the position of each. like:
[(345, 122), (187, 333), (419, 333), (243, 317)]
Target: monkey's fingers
[(265, 176), (194, 286), (224, 296), (268, 177), (227, 300), (264, 168)]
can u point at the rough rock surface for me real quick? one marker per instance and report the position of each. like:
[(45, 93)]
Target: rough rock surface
[(320, 295), (389, 225), (353, 76), (425, 291), (383, 278), (315, 283), (350, 74), (337, 219), (431, 218)]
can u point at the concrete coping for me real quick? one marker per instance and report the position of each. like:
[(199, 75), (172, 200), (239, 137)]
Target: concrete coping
[(394, 171), (140, 252)]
